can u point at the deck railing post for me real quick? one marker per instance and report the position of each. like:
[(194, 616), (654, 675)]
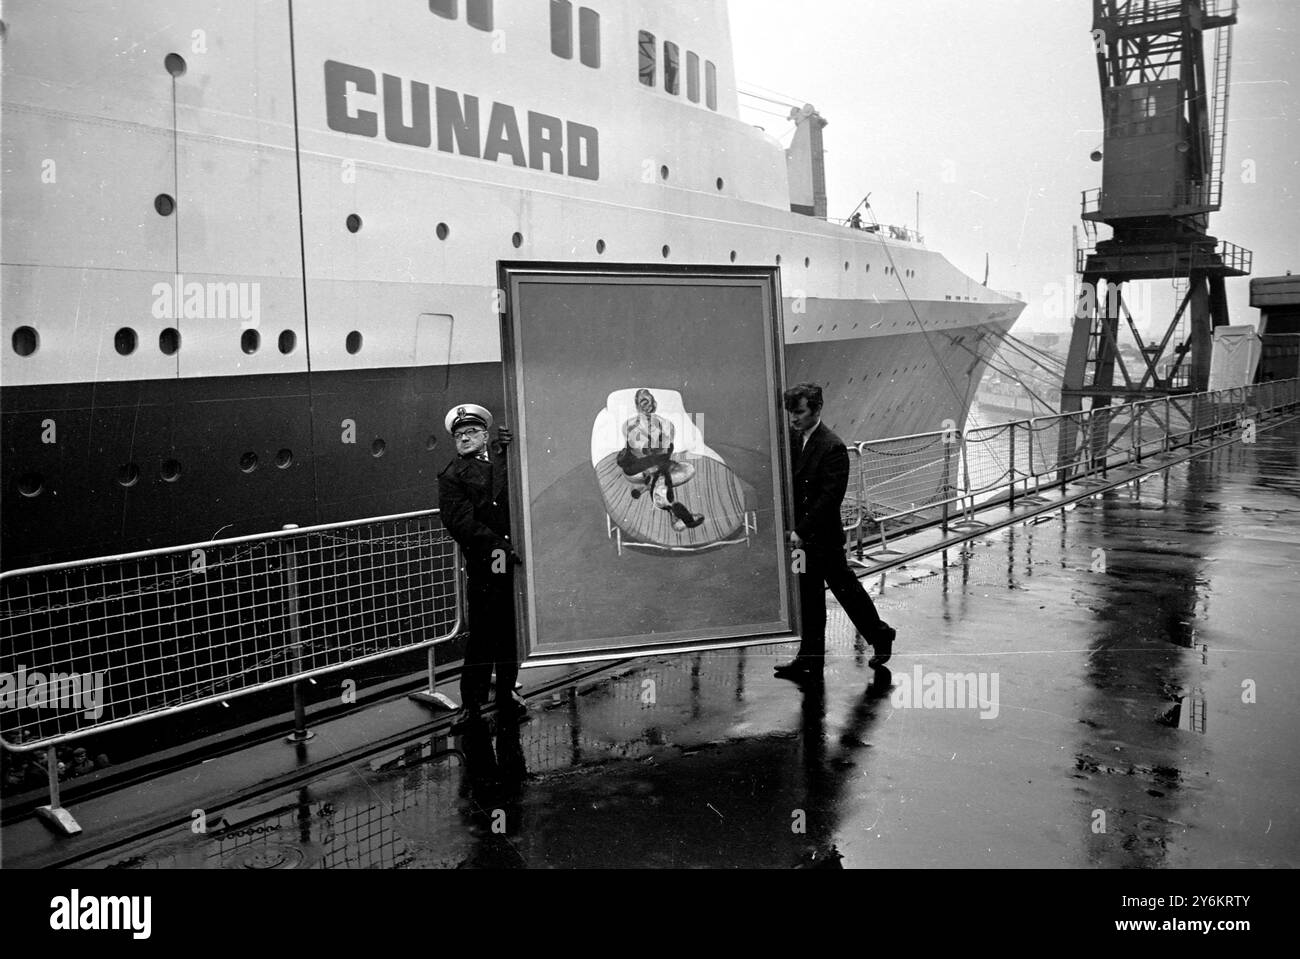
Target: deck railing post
[(54, 815), (1012, 468), (301, 733), (946, 491)]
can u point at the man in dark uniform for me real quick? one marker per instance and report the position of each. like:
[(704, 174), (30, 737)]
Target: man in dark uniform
[(821, 477), (473, 498)]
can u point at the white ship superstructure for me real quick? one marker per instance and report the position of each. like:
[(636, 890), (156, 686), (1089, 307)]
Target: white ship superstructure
[(250, 250)]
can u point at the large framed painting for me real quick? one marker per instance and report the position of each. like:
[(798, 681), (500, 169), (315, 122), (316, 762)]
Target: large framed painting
[(649, 477)]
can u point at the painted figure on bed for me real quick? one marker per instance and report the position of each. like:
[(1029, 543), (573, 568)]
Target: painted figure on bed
[(647, 462), (644, 442)]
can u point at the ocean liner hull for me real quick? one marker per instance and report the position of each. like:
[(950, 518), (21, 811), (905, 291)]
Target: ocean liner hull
[(231, 302)]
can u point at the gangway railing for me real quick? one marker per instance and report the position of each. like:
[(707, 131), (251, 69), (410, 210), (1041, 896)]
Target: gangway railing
[(908, 483), (109, 642)]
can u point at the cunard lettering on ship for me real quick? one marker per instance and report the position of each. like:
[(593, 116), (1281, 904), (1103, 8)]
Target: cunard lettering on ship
[(461, 124)]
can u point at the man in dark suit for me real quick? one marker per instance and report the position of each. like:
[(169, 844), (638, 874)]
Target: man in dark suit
[(473, 499), (821, 477)]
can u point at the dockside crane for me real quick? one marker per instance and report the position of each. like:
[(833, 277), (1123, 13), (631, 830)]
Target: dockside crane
[(1166, 118)]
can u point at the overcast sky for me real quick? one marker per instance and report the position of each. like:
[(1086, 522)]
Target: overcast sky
[(990, 110)]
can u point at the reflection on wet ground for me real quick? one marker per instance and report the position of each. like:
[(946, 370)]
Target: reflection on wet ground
[(1104, 687)]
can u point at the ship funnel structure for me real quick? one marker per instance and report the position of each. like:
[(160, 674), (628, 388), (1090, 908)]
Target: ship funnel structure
[(806, 163)]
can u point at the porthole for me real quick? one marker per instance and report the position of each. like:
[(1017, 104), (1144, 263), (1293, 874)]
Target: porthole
[(164, 204), (128, 474), (378, 448), (175, 64), (353, 223), (733, 256), (124, 341), (443, 231), (31, 484), (171, 470), (248, 462), (250, 341), (720, 184), (517, 240), (431, 443), (807, 262), (663, 172), (778, 259), (600, 246), (288, 340), (26, 340), (284, 459), (868, 267), (846, 266), (666, 251), (353, 343), (169, 341)]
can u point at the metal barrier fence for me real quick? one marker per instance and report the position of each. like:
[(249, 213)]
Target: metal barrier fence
[(109, 642), (906, 476), (854, 506), (918, 480)]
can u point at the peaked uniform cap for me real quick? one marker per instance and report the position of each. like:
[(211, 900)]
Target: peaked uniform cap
[(465, 415)]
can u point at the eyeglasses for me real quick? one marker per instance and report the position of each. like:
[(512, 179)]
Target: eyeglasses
[(465, 434)]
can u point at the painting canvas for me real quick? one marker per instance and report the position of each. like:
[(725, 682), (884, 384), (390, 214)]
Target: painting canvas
[(650, 465)]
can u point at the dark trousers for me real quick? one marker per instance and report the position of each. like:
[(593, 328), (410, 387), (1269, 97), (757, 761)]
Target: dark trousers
[(492, 643), (828, 567)]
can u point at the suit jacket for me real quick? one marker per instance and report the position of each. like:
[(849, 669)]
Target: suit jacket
[(473, 498), (821, 477)]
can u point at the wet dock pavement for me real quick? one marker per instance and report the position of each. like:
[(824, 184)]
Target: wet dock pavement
[(1110, 686)]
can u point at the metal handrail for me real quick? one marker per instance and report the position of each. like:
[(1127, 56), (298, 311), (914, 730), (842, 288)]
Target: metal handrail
[(904, 233), (1102, 439), (208, 621)]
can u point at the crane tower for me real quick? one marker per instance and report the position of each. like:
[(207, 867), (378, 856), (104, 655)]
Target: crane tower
[(1166, 118)]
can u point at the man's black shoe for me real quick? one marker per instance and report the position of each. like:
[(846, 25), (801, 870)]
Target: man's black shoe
[(514, 706), (468, 718), (798, 668), (884, 647)]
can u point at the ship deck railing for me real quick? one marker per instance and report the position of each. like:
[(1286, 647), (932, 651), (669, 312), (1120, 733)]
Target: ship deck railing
[(903, 233)]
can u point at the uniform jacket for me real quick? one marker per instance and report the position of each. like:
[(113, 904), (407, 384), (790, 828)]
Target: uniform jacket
[(821, 476), (474, 499)]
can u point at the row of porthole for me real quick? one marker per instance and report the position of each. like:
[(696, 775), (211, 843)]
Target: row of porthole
[(128, 475), (836, 326), (879, 373), (664, 172), (164, 204), (26, 341), (354, 224), (33, 484)]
